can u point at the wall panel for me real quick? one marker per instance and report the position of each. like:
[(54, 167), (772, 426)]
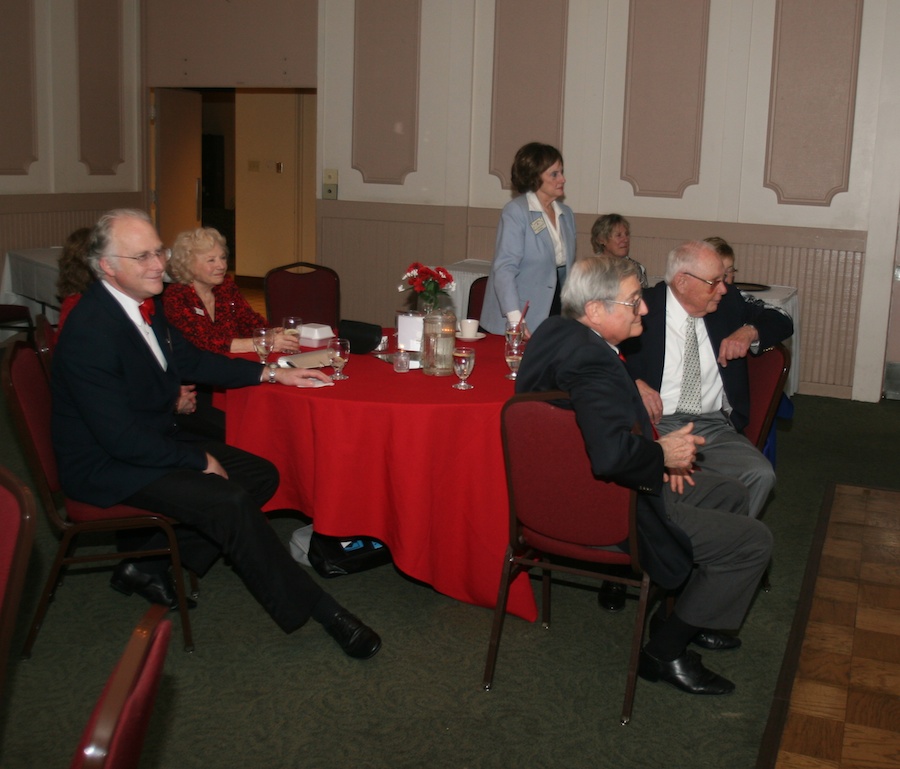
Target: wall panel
[(813, 99)]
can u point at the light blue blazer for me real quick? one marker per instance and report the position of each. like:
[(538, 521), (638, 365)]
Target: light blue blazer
[(524, 267)]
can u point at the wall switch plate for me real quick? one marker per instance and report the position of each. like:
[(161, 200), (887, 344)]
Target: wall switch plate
[(330, 176), (329, 192)]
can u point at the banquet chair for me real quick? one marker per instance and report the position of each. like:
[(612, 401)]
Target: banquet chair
[(557, 508), (28, 399), (476, 297), (16, 317), (767, 373), (17, 522), (310, 291), (44, 341), (118, 724)]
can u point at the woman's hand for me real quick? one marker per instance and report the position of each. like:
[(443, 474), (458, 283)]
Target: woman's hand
[(285, 342)]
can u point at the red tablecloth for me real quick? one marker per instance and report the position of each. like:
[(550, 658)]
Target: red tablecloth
[(404, 458)]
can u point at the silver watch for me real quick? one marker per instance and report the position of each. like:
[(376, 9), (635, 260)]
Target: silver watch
[(272, 368)]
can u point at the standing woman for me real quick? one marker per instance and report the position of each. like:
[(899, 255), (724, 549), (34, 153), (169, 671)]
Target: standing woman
[(535, 243)]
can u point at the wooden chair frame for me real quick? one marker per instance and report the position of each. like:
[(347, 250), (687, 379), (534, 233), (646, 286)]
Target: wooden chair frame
[(521, 556), (20, 553), (80, 518)]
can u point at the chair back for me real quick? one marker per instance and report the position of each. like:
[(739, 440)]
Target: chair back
[(115, 733), (28, 399), (17, 522), (556, 503), (476, 297), (310, 291), (767, 374), (44, 341)]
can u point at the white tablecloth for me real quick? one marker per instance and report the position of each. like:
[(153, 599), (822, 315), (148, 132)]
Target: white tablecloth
[(786, 298), (29, 278)]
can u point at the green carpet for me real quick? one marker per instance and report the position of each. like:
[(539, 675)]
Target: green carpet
[(250, 696)]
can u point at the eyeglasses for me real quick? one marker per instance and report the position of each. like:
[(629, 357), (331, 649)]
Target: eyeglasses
[(146, 256), (712, 283), (635, 305)]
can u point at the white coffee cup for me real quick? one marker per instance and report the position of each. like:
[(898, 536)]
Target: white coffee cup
[(468, 328)]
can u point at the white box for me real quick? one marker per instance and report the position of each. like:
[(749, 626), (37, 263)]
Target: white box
[(315, 335)]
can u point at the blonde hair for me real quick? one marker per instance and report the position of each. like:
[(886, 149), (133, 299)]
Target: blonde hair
[(187, 245)]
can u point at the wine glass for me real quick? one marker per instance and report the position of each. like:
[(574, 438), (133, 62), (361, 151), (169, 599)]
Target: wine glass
[(515, 331), (339, 350), (515, 346), (463, 363), (263, 342)]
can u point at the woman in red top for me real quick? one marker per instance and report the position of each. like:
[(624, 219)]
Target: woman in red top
[(204, 302), (74, 274)]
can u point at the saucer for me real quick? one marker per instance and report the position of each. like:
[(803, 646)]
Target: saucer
[(479, 335)]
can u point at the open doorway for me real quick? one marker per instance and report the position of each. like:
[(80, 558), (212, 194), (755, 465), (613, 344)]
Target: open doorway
[(217, 165), (256, 181)]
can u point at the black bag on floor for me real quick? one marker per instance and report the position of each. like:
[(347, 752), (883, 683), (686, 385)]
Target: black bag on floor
[(337, 556)]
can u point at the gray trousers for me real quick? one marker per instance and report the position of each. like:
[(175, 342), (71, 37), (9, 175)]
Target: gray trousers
[(728, 453), (731, 550), (731, 553)]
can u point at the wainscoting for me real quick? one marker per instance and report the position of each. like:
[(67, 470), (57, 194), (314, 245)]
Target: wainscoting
[(370, 245)]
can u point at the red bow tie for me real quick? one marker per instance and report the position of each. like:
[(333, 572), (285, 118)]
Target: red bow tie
[(147, 308)]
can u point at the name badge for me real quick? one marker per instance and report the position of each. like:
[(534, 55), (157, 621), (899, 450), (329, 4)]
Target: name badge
[(198, 311), (539, 225)]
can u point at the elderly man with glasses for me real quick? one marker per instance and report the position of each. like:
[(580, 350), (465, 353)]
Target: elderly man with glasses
[(695, 536), (117, 369), (696, 317), (690, 365)]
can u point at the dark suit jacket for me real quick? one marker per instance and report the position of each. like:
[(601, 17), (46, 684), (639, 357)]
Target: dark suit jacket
[(564, 354), (114, 406), (645, 355)]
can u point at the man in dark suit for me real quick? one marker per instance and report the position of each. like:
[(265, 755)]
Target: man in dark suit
[(727, 328), (117, 370), (714, 555)]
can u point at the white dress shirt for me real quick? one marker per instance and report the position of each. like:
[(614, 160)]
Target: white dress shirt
[(132, 310), (712, 392)]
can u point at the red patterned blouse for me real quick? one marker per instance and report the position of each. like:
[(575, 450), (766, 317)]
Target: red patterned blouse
[(235, 319)]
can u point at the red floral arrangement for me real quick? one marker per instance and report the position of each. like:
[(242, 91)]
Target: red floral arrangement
[(428, 282)]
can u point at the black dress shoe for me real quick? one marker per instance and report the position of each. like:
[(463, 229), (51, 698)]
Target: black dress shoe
[(685, 672), (715, 642), (611, 596), (355, 637), (156, 588)]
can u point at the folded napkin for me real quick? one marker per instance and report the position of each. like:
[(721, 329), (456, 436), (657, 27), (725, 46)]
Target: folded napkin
[(314, 359)]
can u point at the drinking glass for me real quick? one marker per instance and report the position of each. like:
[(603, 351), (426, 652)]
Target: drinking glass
[(515, 346), (292, 325), (515, 330), (263, 342), (463, 363), (339, 350)]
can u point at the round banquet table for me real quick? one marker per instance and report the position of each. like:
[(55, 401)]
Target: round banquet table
[(404, 458)]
